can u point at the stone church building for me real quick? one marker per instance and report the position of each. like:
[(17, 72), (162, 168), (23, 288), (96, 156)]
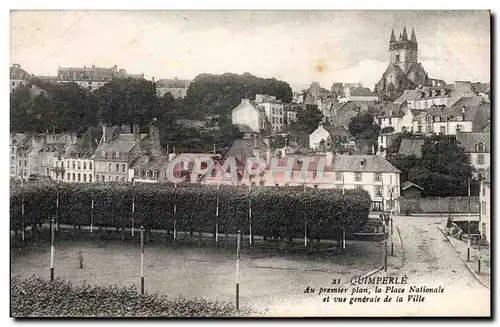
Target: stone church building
[(404, 71)]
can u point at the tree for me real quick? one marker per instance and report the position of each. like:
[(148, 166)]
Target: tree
[(364, 126), (308, 118), (126, 101), (404, 163), (219, 94), (442, 170)]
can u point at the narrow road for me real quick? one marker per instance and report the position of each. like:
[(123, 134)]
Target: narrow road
[(430, 262)]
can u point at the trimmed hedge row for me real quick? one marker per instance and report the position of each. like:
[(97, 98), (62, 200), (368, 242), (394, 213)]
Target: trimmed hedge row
[(276, 211), (37, 297)]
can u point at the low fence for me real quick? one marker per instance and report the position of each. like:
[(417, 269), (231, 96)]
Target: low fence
[(454, 204)]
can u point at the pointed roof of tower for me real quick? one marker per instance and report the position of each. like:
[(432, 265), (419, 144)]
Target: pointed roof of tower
[(413, 37), (405, 35), (393, 37)]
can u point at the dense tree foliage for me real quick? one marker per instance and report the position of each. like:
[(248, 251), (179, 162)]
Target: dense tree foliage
[(38, 297), (364, 126), (308, 119), (443, 169), (67, 107), (219, 94), (276, 211)]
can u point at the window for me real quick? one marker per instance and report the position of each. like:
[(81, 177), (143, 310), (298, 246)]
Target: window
[(253, 184), (103, 178), (20, 163), (281, 112), (73, 164), (84, 177), (79, 177), (25, 163), (480, 147), (276, 184), (90, 178), (85, 165), (442, 130), (261, 183), (390, 121), (68, 177), (338, 176), (109, 179), (378, 191), (116, 178), (123, 179), (274, 120), (359, 187), (458, 128), (281, 120), (67, 164), (79, 165), (483, 207), (419, 128), (315, 186), (378, 177), (358, 176), (73, 177), (480, 159), (123, 168), (109, 167), (397, 58), (117, 167)]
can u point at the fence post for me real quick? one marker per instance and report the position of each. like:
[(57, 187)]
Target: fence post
[(238, 247)]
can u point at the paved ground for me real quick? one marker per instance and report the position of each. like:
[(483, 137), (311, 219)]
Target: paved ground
[(430, 261), (265, 279), (275, 285)]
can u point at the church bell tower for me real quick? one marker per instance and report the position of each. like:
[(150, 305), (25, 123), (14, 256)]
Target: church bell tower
[(403, 51)]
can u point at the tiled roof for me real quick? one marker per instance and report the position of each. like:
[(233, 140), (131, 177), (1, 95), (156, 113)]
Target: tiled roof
[(338, 131), (468, 140), (411, 147), (362, 91), (468, 101), (151, 163), (16, 72), (454, 112), (480, 87), (86, 73), (408, 184), (390, 110), (122, 143), (245, 146), (17, 138), (89, 141), (363, 163)]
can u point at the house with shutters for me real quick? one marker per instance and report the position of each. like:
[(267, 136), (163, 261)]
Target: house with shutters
[(477, 148), (121, 147)]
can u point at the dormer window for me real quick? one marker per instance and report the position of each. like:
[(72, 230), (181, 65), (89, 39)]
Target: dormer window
[(480, 147)]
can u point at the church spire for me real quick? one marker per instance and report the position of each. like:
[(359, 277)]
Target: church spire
[(413, 37), (405, 35), (393, 37)]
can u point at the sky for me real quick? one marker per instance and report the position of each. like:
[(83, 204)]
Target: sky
[(298, 47)]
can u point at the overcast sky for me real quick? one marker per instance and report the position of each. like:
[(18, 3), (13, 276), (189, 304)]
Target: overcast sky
[(296, 46)]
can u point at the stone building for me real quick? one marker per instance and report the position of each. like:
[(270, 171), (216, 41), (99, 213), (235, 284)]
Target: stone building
[(404, 71)]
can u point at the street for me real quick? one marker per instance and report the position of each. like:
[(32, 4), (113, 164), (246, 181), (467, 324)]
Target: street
[(430, 261)]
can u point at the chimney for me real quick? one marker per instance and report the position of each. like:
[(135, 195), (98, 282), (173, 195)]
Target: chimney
[(125, 128), (103, 133), (154, 136), (137, 135), (328, 158)]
